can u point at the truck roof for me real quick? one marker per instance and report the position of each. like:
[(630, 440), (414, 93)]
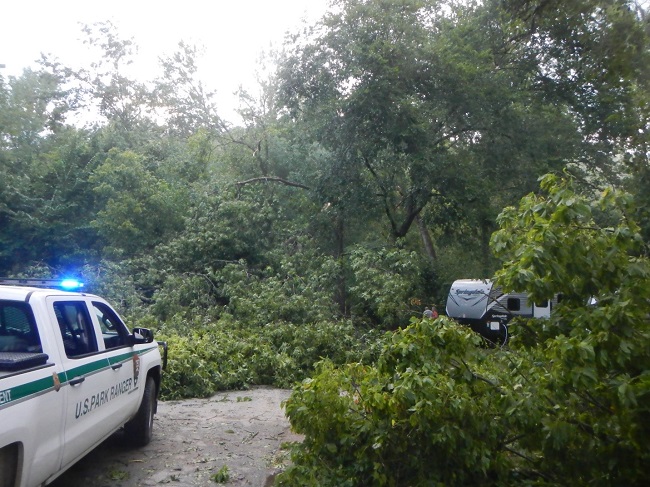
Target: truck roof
[(24, 293)]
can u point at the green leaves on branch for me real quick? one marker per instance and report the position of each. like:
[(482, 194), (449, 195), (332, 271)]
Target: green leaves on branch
[(208, 357), (422, 416), (565, 407), (139, 208), (382, 283), (561, 242)]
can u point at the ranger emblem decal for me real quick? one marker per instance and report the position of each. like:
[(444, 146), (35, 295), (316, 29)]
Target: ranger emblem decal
[(136, 369)]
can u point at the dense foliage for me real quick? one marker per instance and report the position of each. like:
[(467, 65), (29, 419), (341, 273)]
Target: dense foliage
[(564, 404), (225, 355), (366, 175)]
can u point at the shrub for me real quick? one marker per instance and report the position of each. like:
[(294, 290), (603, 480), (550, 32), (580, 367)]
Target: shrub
[(422, 416)]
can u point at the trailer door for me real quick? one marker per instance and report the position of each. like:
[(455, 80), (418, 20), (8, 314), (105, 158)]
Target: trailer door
[(542, 310)]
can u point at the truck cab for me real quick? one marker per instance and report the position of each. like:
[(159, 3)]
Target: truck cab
[(71, 374)]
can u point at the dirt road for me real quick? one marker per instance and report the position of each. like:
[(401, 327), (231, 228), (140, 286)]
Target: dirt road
[(234, 439)]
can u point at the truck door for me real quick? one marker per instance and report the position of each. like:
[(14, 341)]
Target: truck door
[(31, 402), (124, 362), (88, 378)]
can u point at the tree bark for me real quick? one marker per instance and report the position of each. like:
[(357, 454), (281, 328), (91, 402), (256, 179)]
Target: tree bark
[(341, 292), (486, 252), (426, 240)]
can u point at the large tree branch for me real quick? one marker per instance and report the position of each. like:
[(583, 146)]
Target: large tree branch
[(411, 214), (267, 179), (384, 195)]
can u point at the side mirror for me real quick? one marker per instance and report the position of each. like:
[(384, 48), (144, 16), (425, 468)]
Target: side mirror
[(142, 335)]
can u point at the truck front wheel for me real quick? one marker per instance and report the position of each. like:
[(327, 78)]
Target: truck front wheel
[(139, 430)]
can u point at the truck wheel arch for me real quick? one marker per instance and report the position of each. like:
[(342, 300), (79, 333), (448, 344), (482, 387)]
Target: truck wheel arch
[(10, 463), (155, 374)]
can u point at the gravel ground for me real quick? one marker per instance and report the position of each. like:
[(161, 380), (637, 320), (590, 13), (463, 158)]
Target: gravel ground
[(233, 438)]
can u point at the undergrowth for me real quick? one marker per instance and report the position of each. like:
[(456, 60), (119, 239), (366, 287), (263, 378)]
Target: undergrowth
[(223, 355)]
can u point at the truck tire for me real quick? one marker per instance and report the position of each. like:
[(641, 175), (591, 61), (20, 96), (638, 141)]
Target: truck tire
[(139, 430), (8, 465)]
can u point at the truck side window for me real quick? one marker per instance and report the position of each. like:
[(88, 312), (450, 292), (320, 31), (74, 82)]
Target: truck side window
[(76, 328), (18, 332), (114, 332)]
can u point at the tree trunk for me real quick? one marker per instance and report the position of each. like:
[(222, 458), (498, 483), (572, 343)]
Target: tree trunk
[(486, 252), (426, 240), (341, 292)]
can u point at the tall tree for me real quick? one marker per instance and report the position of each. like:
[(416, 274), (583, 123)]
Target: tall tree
[(139, 209), (181, 98), (44, 166), (417, 101), (593, 58)]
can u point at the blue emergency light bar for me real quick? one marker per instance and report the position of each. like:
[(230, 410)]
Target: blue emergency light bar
[(71, 284)]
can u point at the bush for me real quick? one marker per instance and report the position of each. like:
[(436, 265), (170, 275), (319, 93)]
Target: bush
[(383, 282), (422, 416)]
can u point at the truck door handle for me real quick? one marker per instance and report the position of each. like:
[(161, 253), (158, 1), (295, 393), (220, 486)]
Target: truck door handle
[(116, 366), (77, 380)]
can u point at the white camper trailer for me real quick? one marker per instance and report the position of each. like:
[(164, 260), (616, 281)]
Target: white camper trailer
[(487, 310)]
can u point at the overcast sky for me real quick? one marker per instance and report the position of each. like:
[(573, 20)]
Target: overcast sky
[(233, 32)]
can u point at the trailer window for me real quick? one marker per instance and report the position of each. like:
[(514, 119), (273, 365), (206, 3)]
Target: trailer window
[(514, 304), (543, 304)]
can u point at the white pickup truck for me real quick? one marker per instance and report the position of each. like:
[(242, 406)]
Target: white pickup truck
[(71, 374)]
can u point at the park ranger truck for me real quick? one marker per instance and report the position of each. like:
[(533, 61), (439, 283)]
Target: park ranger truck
[(71, 374)]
